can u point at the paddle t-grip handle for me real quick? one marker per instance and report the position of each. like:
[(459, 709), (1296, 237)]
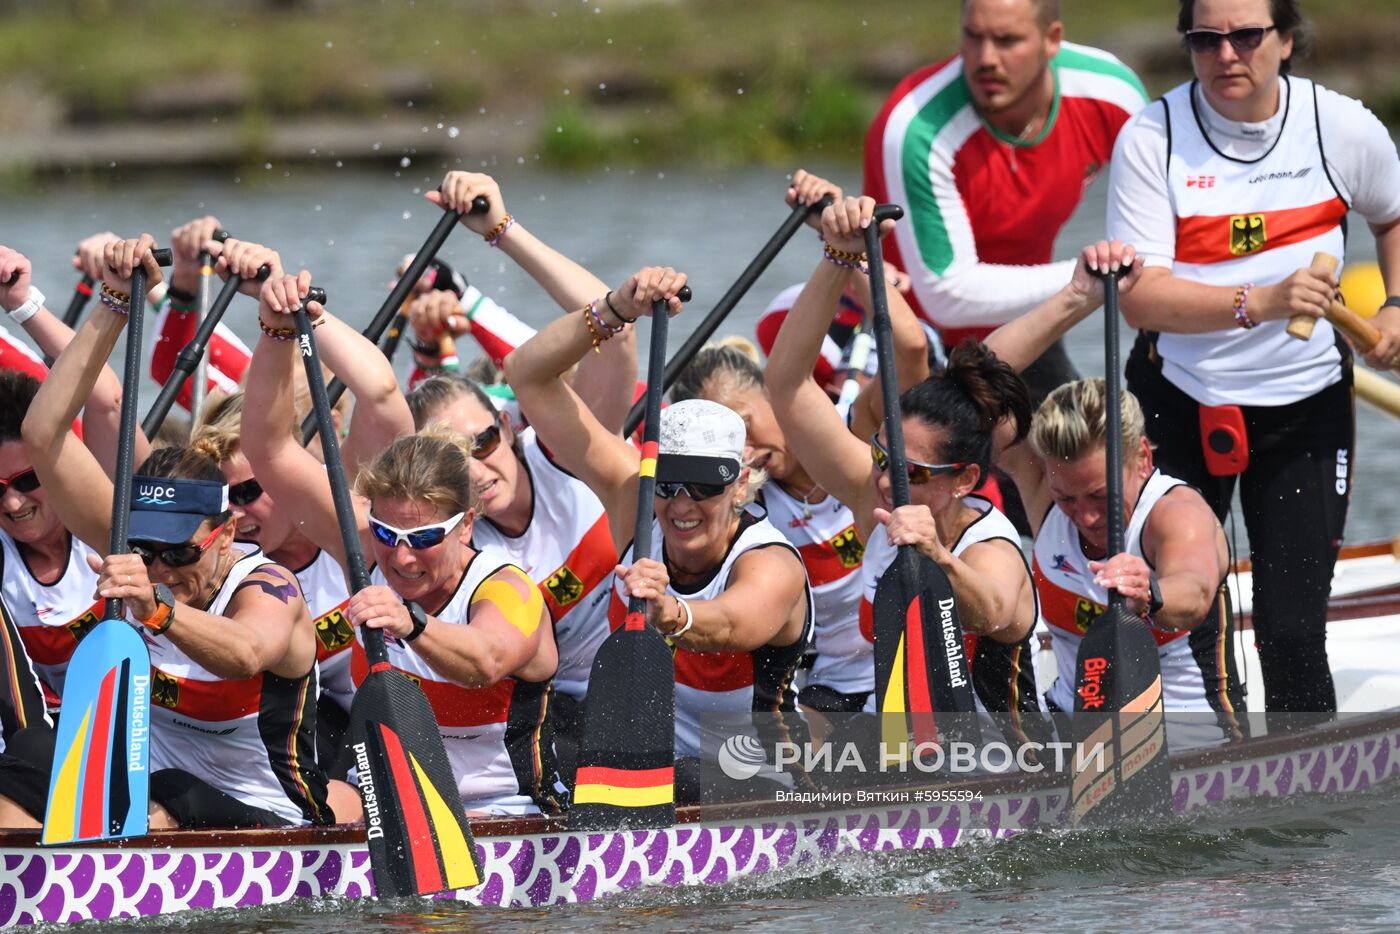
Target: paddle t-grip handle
[(315, 294), (1301, 326)]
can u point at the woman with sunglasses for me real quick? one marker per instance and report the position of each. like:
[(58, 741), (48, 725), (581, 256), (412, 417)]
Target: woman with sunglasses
[(948, 423), (233, 657), (721, 583), (47, 584), (469, 626), (1229, 186)]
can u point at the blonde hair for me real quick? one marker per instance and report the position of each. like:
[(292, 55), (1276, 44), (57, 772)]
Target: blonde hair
[(724, 372), (217, 431), (433, 465), (1073, 421)]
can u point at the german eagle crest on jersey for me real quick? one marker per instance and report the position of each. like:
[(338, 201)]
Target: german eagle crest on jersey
[(333, 629), (1247, 234), (165, 689), (848, 547), (564, 586)]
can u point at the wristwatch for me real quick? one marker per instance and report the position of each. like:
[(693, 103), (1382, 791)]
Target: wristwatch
[(29, 308), (1391, 301), (420, 621), (1154, 603), (161, 620)]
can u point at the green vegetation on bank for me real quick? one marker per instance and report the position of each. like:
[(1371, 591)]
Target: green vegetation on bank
[(717, 81)]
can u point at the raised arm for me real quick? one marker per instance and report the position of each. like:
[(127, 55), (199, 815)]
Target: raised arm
[(79, 491), (295, 478), (605, 381), (102, 412), (815, 432), (910, 353), (565, 425)]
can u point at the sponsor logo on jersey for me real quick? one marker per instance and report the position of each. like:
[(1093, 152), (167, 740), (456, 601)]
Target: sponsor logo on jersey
[(1247, 234), (564, 586), (1062, 564), (165, 690), (1200, 181), (1275, 176), (848, 546), (1085, 612), (333, 630)]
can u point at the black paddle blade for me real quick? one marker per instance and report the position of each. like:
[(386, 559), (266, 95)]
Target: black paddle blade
[(627, 753), (921, 663), (1121, 772), (409, 792)]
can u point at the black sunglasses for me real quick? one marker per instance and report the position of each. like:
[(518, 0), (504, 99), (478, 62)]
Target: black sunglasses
[(698, 492), (919, 473), (486, 442), (175, 556), (26, 481), (1246, 39), (241, 494)]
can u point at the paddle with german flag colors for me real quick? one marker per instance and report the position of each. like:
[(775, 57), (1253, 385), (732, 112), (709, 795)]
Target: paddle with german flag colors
[(1120, 769), (627, 755), (416, 827), (921, 665), (99, 786)]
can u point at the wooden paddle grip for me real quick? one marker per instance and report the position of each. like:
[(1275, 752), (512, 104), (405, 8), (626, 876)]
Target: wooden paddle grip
[(1301, 326), (447, 352)]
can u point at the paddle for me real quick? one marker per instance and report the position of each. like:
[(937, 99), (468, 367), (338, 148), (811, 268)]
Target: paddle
[(21, 699), (1362, 333), (726, 304), (82, 294), (199, 386), (419, 840), (98, 788), (921, 665), (188, 360), (1118, 675), (627, 754), (394, 302), (1301, 326)]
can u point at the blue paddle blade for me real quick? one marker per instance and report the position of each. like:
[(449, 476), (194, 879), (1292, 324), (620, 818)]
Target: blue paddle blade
[(99, 787)]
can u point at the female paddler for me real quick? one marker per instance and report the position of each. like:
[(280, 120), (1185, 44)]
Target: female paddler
[(233, 657), (948, 424), (721, 583), (470, 627)]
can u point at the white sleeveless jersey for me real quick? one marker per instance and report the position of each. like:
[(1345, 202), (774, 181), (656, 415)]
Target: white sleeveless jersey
[(567, 550), (1003, 675), (1070, 600), (51, 618), (1241, 222), (323, 584), (718, 693), (254, 738), (494, 735), (831, 550)]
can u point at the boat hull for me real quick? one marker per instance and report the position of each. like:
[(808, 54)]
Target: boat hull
[(185, 870)]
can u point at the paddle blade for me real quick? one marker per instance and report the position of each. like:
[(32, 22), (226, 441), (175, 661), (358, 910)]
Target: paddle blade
[(99, 787), (1120, 768), (419, 841), (921, 663), (627, 752)]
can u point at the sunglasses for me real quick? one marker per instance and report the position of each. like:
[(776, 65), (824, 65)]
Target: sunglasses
[(918, 473), (26, 481), (1247, 39), (425, 536), (175, 556), (698, 492), (241, 494), (486, 442)]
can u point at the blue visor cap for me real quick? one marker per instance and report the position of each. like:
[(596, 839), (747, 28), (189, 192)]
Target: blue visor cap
[(169, 510)]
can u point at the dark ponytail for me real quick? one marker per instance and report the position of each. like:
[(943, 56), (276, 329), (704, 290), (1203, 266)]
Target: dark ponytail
[(967, 399)]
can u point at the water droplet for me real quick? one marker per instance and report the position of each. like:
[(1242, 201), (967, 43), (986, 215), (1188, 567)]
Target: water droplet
[(405, 162), (602, 85), (453, 132), (741, 90), (519, 160), (439, 126), (660, 174), (407, 215), (375, 147), (267, 165), (566, 92), (559, 129), (317, 208), (330, 44), (339, 164), (482, 110)]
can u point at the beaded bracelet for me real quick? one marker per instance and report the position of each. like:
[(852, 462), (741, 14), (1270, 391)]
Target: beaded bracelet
[(831, 257), (608, 298), (277, 334), (117, 306), (847, 255), (1240, 307), (119, 296), (499, 231), (599, 329)]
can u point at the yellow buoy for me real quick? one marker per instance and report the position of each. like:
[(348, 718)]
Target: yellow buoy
[(1363, 288)]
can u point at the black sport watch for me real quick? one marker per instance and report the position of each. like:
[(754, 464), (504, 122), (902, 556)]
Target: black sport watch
[(420, 621), (1154, 602)]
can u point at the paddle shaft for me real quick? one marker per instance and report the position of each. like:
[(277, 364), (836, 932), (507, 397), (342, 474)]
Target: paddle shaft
[(397, 294), (126, 438), (646, 482), (725, 305), (199, 387), (1113, 443), (390, 345), (355, 567), (1301, 326), (190, 355)]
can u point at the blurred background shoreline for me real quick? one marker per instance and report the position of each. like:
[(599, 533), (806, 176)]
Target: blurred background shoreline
[(96, 89)]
